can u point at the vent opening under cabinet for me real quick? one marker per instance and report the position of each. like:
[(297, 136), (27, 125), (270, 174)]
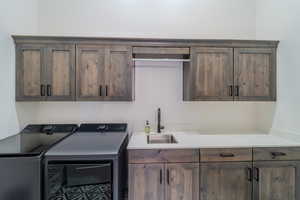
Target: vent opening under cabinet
[(161, 54)]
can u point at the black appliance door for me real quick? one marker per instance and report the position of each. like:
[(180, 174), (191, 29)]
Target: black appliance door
[(20, 178), (82, 181)]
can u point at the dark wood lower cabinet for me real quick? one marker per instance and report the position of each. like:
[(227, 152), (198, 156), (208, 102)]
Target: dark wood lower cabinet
[(266, 180), (243, 179), (276, 180), (182, 181), (226, 181), (146, 182), (172, 181)]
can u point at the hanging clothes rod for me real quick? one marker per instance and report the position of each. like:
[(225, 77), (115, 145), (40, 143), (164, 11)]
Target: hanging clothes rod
[(161, 59)]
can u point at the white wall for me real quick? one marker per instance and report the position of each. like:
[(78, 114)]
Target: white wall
[(280, 20), (156, 86), (16, 16), (144, 18)]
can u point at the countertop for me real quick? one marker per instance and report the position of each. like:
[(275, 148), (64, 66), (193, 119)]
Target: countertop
[(187, 140)]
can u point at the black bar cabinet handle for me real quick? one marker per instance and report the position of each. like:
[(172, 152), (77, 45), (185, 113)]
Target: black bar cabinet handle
[(249, 174), (168, 176), (226, 155), (256, 177), (160, 176), (231, 90), (237, 90), (93, 167), (276, 154), (100, 90), (106, 90), (49, 92), (42, 90)]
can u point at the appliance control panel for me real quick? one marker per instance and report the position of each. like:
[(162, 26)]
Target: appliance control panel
[(50, 128), (103, 127)]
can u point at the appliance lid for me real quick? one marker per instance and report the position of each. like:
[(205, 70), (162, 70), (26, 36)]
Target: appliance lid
[(35, 139), (92, 139)]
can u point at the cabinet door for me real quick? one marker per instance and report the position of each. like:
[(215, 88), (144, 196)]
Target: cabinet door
[(90, 69), (226, 181), (255, 74), (119, 74), (276, 180), (146, 182), (60, 72), (182, 181), (210, 75), (30, 82)]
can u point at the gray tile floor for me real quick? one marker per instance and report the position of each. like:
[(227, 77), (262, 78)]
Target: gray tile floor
[(88, 192)]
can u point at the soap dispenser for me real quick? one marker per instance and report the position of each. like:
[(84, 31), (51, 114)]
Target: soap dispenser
[(147, 128)]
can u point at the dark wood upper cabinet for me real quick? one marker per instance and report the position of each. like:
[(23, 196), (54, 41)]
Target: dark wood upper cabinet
[(182, 181), (255, 74), (241, 74), (30, 72), (102, 69), (60, 67), (90, 72), (119, 74), (276, 180), (226, 181), (104, 73), (45, 72), (146, 181), (210, 74)]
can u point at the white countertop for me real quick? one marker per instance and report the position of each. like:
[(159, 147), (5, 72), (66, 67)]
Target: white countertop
[(188, 140)]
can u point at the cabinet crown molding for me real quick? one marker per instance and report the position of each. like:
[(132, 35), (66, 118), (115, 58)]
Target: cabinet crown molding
[(146, 41)]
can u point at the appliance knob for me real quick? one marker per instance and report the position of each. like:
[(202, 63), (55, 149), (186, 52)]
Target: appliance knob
[(101, 128), (48, 129)]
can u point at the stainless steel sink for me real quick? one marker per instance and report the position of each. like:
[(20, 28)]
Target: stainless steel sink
[(161, 139)]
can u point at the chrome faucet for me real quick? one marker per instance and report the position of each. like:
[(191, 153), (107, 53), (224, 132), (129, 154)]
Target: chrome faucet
[(159, 126)]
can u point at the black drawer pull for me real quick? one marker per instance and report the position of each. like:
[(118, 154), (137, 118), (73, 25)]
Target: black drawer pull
[(42, 90), (231, 90), (106, 90), (276, 154), (226, 155)]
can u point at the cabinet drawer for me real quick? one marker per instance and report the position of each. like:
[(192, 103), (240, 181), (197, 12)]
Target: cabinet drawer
[(163, 155), (276, 153), (225, 154)]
